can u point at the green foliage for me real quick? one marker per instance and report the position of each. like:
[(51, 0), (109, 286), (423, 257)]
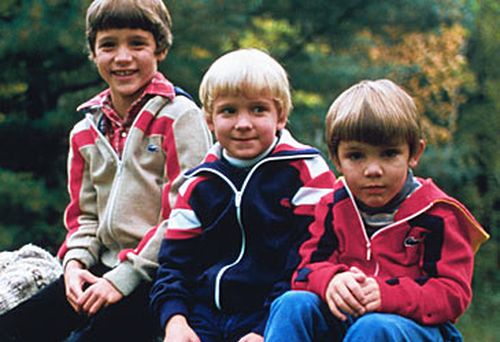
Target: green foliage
[(30, 212), (323, 44)]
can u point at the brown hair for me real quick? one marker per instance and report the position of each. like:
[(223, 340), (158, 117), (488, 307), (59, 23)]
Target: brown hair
[(149, 15), (374, 112)]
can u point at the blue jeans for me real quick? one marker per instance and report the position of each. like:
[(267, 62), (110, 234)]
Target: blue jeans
[(302, 316)]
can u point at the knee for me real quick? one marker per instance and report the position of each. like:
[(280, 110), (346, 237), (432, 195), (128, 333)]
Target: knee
[(373, 327), (296, 302)]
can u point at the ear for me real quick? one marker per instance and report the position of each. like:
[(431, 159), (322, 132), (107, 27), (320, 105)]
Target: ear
[(210, 121), (282, 120), (336, 163), (161, 55), (282, 117), (413, 161)]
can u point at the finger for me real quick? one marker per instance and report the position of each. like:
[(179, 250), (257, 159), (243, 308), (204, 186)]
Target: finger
[(89, 277), (96, 306), (349, 299), (335, 310), (359, 275)]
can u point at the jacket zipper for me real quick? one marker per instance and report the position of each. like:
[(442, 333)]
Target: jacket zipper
[(119, 170), (368, 239), (237, 202)]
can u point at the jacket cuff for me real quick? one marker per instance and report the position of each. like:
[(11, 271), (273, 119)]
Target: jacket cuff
[(171, 308), (124, 277), (320, 279), (81, 255), (391, 298)]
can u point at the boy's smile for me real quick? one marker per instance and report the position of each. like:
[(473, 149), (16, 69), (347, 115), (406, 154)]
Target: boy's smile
[(127, 61), (375, 174), (245, 127)]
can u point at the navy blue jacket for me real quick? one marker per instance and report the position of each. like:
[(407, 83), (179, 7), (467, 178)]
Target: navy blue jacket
[(232, 239)]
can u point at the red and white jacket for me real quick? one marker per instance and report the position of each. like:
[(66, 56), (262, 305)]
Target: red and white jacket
[(117, 203), (423, 262)]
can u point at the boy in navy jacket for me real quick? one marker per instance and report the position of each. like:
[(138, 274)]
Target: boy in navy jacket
[(232, 240), (390, 256)]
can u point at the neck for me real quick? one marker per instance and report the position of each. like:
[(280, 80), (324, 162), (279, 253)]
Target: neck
[(243, 163)]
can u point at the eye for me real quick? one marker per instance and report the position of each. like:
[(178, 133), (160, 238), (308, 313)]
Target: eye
[(227, 110), (106, 45), (259, 109), (138, 43), (354, 156), (390, 153)]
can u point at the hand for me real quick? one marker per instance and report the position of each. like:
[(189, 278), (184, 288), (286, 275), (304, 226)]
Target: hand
[(345, 295), (178, 330), (371, 292), (98, 295), (75, 277), (251, 337)]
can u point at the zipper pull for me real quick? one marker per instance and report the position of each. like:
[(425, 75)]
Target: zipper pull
[(368, 251), (237, 199)]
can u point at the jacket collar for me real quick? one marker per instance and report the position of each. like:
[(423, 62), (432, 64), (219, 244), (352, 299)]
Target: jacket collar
[(421, 200), (286, 147)]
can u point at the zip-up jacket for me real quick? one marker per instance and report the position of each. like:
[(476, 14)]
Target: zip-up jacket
[(232, 239), (423, 262), (117, 203)]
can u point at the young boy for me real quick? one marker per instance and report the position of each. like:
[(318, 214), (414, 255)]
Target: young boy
[(232, 241), (390, 256), (124, 167)]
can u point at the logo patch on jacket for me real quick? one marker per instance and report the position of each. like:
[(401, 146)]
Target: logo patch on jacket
[(153, 148), (412, 241)]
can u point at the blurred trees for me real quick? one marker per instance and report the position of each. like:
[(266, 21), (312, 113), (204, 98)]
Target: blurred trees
[(445, 53)]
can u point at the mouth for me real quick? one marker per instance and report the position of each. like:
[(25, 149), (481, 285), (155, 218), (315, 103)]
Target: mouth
[(374, 189), (243, 139), (123, 72)]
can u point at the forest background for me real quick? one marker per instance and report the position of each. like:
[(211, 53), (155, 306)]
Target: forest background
[(445, 53)]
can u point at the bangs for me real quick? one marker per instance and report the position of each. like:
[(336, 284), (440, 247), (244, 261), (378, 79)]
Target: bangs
[(248, 84), (368, 127), (120, 17)]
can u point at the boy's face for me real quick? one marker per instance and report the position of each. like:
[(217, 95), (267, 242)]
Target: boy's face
[(244, 126), (126, 60), (375, 174)]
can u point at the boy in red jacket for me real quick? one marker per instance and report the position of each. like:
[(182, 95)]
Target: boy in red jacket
[(390, 256)]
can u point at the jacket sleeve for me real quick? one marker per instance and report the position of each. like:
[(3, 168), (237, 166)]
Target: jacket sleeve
[(444, 292), (185, 145), (80, 217), (318, 258), (317, 180), (177, 258)]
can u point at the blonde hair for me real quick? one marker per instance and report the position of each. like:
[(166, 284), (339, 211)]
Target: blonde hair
[(245, 72), (374, 112), (148, 15)]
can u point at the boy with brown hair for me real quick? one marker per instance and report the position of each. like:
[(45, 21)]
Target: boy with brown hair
[(125, 163), (390, 256), (232, 240)]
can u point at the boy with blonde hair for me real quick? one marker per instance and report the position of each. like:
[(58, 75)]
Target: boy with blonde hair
[(390, 256), (124, 165), (231, 243)]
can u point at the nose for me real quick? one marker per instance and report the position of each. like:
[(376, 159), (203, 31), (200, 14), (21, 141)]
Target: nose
[(243, 121), (373, 169), (123, 55)]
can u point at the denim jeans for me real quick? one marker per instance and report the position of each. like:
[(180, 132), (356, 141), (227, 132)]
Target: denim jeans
[(300, 316)]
